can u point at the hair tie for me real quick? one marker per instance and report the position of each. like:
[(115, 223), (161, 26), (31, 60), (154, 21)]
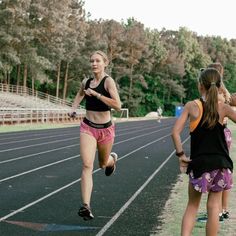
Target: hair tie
[(213, 83)]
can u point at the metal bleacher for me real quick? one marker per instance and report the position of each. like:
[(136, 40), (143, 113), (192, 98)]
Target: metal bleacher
[(20, 104)]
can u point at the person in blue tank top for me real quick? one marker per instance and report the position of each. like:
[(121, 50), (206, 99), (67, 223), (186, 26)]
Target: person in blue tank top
[(209, 166), (97, 131)]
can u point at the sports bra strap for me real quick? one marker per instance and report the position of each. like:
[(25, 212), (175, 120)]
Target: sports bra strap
[(194, 123)]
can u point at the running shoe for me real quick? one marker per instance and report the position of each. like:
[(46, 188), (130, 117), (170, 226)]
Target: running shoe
[(221, 217), (110, 169), (225, 214), (202, 219), (85, 212)]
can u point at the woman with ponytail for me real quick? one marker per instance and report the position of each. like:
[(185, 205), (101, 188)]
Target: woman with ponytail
[(209, 166)]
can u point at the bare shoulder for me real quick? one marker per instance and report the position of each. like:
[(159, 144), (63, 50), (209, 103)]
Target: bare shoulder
[(192, 109), (191, 105), (109, 79), (84, 81), (110, 82)]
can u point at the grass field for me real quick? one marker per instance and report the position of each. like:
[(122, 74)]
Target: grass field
[(175, 206)]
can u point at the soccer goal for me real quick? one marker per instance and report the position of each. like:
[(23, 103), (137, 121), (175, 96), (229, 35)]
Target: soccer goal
[(122, 114)]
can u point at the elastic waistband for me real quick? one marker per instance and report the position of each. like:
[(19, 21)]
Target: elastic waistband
[(97, 126)]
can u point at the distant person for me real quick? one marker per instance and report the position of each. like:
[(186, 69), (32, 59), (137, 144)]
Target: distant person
[(97, 131), (159, 114), (225, 97), (209, 166)]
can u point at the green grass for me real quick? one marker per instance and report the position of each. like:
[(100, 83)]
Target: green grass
[(175, 206)]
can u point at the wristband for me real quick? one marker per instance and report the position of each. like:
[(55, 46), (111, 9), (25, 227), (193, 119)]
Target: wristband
[(179, 154)]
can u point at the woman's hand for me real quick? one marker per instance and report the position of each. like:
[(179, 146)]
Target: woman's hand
[(183, 163), (91, 92), (72, 114)]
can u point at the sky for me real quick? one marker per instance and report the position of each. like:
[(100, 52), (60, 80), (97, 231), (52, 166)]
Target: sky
[(204, 17)]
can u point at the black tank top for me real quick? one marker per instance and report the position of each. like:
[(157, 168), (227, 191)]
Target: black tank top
[(94, 104), (208, 150)]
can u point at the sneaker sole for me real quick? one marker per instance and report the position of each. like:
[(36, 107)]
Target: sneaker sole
[(115, 157), (86, 218)]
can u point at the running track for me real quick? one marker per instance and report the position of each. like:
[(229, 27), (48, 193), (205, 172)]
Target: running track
[(40, 182)]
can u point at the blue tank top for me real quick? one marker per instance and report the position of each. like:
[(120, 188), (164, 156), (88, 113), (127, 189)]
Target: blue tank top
[(94, 104)]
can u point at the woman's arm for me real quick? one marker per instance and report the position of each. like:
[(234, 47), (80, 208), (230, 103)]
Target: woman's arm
[(176, 131), (114, 101), (178, 128), (230, 112), (232, 99), (79, 96)]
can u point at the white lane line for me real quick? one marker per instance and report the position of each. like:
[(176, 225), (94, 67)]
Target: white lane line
[(39, 168), (126, 205), (142, 135), (68, 185), (33, 139), (38, 144), (38, 200), (34, 145), (27, 135), (54, 163), (38, 153)]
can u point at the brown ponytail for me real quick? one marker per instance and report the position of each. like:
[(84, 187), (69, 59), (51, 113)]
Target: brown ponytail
[(211, 80)]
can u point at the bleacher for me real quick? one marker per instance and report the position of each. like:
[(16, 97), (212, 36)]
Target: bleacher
[(22, 105)]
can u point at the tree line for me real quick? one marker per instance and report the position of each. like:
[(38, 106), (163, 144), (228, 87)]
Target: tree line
[(46, 45)]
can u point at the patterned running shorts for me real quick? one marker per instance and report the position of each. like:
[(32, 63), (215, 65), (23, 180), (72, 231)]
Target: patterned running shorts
[(215, 181)]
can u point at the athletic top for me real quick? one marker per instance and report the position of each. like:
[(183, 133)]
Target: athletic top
[(94, 104), (208, 148)]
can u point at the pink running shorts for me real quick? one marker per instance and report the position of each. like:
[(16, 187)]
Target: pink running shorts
[(102, 135)]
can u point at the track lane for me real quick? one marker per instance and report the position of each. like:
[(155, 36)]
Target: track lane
[(108, 196)]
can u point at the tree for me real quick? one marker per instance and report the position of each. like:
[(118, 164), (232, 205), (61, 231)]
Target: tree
[(14, 33), (135, 44), (74, 39)]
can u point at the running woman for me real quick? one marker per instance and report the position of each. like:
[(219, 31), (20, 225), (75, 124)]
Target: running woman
[(97, 131)]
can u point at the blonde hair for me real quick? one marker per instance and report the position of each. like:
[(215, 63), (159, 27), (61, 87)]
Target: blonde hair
[(210, 79), (103, 55)]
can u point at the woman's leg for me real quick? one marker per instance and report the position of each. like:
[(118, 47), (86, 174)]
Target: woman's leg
[(88, 145), (213, 210), (189, 217), (104, 157), (225, 200)]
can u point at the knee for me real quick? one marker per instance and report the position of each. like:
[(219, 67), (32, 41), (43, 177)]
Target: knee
[(213, 205), (87, 166)]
